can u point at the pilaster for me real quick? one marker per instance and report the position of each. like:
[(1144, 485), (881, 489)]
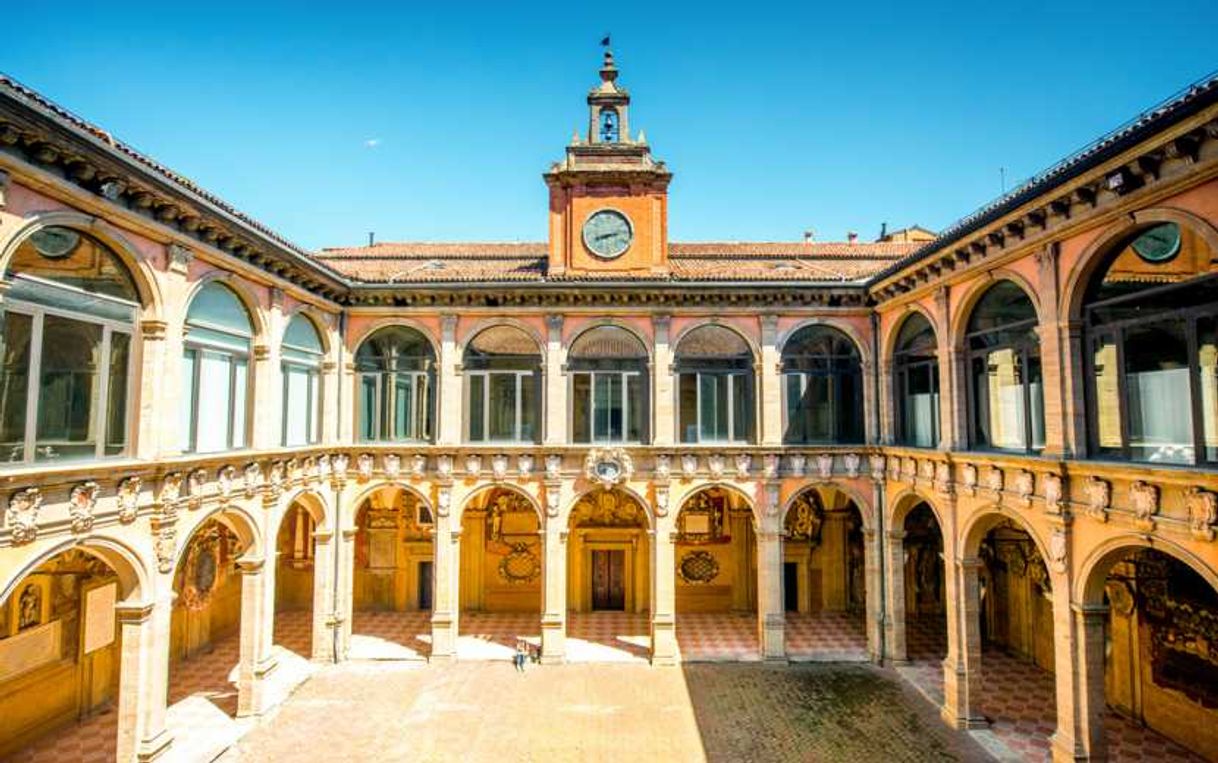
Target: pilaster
[(771, 615), (554, 591), (257, 629), (962, 666), (770, 383), (445, 606), (664, 418), (663, 597), (556, 408), (143, 681), (448, 428), (894, 588), (323, 587)]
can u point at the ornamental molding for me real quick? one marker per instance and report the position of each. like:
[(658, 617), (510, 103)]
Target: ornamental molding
[(21, 515), (824, 465), (1059, 547), (364, 463), (698, 567), (553, 466), (851, 462), (1144, 500), (418, 466), (1099, 498), (943, 478), (663, 467), (689, 466), (769, 466), (608, 466), (128, 499), (715, 464), (1054, 490), (252, 479), (1023, 483), (473, 465), (797, 462), (194, 485), (444, 466), (878, 466), (226, 478), (1202, 513), (341, 462), (744, 463), (499, 467), (393, 465), (81, 503)]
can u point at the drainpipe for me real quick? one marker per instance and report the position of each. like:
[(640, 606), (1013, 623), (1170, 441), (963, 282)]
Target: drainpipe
[(879, 486), (336, 537)]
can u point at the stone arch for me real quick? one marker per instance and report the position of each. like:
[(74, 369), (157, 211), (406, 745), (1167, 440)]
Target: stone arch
[(888, 343), (133, 578), (310, 314), (615, 323), (905, 501), (358, 341), (235, 518), (152, 304), (860, 344), (729, 487), (864, 507), (490, 323), (958, 323), (469, 498), (258, 319), (648, 513), (754, 348), (313, 502), (1093, 571), (1075, 287), (984, 519), (362, 497)]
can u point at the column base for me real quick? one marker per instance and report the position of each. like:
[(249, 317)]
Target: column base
[(773, 637), (664, 650), (443, 637), (1064, 750), (155, 747), (553, 640), (962, 724)]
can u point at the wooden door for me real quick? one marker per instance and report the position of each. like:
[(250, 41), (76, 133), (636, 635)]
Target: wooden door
[(609, 580)]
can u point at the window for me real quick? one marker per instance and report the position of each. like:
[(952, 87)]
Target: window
[(608, 369), (302, 355), (915, 375), (822, 385), (65, 367), (502, 367), (1005, 391), (215, 372), (1150, 314), (714, 368), (395, 368)]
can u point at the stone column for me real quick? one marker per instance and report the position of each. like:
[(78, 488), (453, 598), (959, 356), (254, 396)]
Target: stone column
[(348, 418), (949, 389), (554, 592), (143, 681), (1089, 624), (962, 666), (1052, 362), (873, 602), (869, 401), (257, 628), (888, 412), (156, 405), (1069, 740), (449, 398), (894, 630), (323, 587), (663, 596), (769, 383), (343, 615), (556, 407), (771, 614), (445, 606), (267, 410), (959, 414), (664, 417)]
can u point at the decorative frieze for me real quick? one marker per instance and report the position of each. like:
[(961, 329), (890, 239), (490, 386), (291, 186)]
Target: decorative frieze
[(444, 466), (968, 474), (473, 465), (689, 466), (824, 465), (1059, 546), (714, 465), (194, 486), (363, 467), (418, 466), (553, 466), (21, 515), (524, 466), (81, 502), (744, 463), (1023, 484), (943, 477), (1202, 512), (878, 464), (499, 467), (1099, 498), (341, 462), (663, 466), (393, 465), (851, 463), (253, 479), (608, 466), (444, 500), (994, 482), (661, 499), (128, 499), (1144, 501), (797, 461), (1053, 490), (226, 478), (769, 466)]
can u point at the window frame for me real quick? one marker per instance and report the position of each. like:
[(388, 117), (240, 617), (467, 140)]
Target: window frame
[(733, 377), (1022, 346), (521, 378), (835, 375), (903, 368), (316, 389), (201, 347), (624, 376)]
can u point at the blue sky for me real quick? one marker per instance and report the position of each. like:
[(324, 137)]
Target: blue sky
[(434, 122)]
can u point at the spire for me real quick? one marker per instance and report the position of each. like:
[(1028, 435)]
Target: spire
[(608, 69)]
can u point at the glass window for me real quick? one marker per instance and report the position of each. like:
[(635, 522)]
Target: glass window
[(1006, 393), (502, 365), (714, 367), (69, 316), (916, 383), (301, 352), (608, 370), (396, 371), (217, 349), (1150, 312), (822, 383)]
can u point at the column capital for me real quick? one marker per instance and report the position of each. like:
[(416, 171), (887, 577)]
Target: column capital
[(251, 566), (133, 614)]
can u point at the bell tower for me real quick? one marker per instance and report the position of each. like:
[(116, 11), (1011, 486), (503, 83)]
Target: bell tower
[(608, 196)]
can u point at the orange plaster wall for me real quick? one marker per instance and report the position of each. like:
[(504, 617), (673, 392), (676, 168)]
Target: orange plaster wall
[(648, 248)]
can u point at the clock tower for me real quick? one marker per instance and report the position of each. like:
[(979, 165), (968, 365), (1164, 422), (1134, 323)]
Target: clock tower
[(608, 196)]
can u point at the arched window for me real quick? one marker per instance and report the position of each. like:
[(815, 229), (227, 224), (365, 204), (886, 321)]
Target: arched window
[(301, 352), (915, 374), (69, 316), (714, 368), (396, 368), (215, 371), (608, 369), (1151, 316), (502, 368), (1006, 395), (822, 384)]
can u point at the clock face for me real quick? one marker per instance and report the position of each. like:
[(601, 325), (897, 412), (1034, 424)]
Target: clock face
[(607, 233), (1159, 244)]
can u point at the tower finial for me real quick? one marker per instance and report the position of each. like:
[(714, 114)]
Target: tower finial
[(608, 69)]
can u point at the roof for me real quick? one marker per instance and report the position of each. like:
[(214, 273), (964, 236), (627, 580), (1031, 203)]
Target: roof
[(417, 262)]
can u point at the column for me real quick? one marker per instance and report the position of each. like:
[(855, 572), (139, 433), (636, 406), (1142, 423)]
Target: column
[(894, 622), (343, 611), (323, 585), (449, 399), (873, 602), (143, 681), (869, 401), (663, 597), (554, 593), (949, 390), (888, 413), (268, 380), (770, 383), (771, 614), (962, 666), (347, 425), (157, 406), (556, 409), (663, 417), (1052, 361), (445, 606), (1069, 740), (257, 628), (1089, 621)]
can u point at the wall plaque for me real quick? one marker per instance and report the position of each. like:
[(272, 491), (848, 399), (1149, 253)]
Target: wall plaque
[(99, 617)]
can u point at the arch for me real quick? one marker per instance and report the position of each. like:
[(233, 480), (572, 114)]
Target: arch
[(675, 342), (358, 341), (362, 497), (648, 514), (152, 304), (863, 506), (861, 346), (253, 309), (469, 498), (643, 341), (490, 323), (984, 519), (1074, 290), (133, 578), (888, 343), (311, 315), (235, 518), (313, 502), (905, 502), (729, 487), (958, 322), (1093, 571)]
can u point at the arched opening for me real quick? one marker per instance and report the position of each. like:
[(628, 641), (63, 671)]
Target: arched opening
[(394, 575), (1155, 620), (395, 369), (608, 578), (924, 588), (303, 567), (607, 366), (61, 659), (66, 372), (1151, 321), (501, 575), (824, 575), (915, 377), (302, 357), (716, 576), (502, 369), (822, 387), (216, 377), (1005, 390), (714, 368)]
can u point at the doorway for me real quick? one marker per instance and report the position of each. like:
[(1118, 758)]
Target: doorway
[(790, 586), (609, 580), (425, 586)]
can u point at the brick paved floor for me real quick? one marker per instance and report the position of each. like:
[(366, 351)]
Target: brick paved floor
[(717, 637), (826, 636), (391, 635), (608, 637)]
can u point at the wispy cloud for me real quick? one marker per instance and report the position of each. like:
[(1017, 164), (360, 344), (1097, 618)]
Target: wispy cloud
[(372, 143)]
